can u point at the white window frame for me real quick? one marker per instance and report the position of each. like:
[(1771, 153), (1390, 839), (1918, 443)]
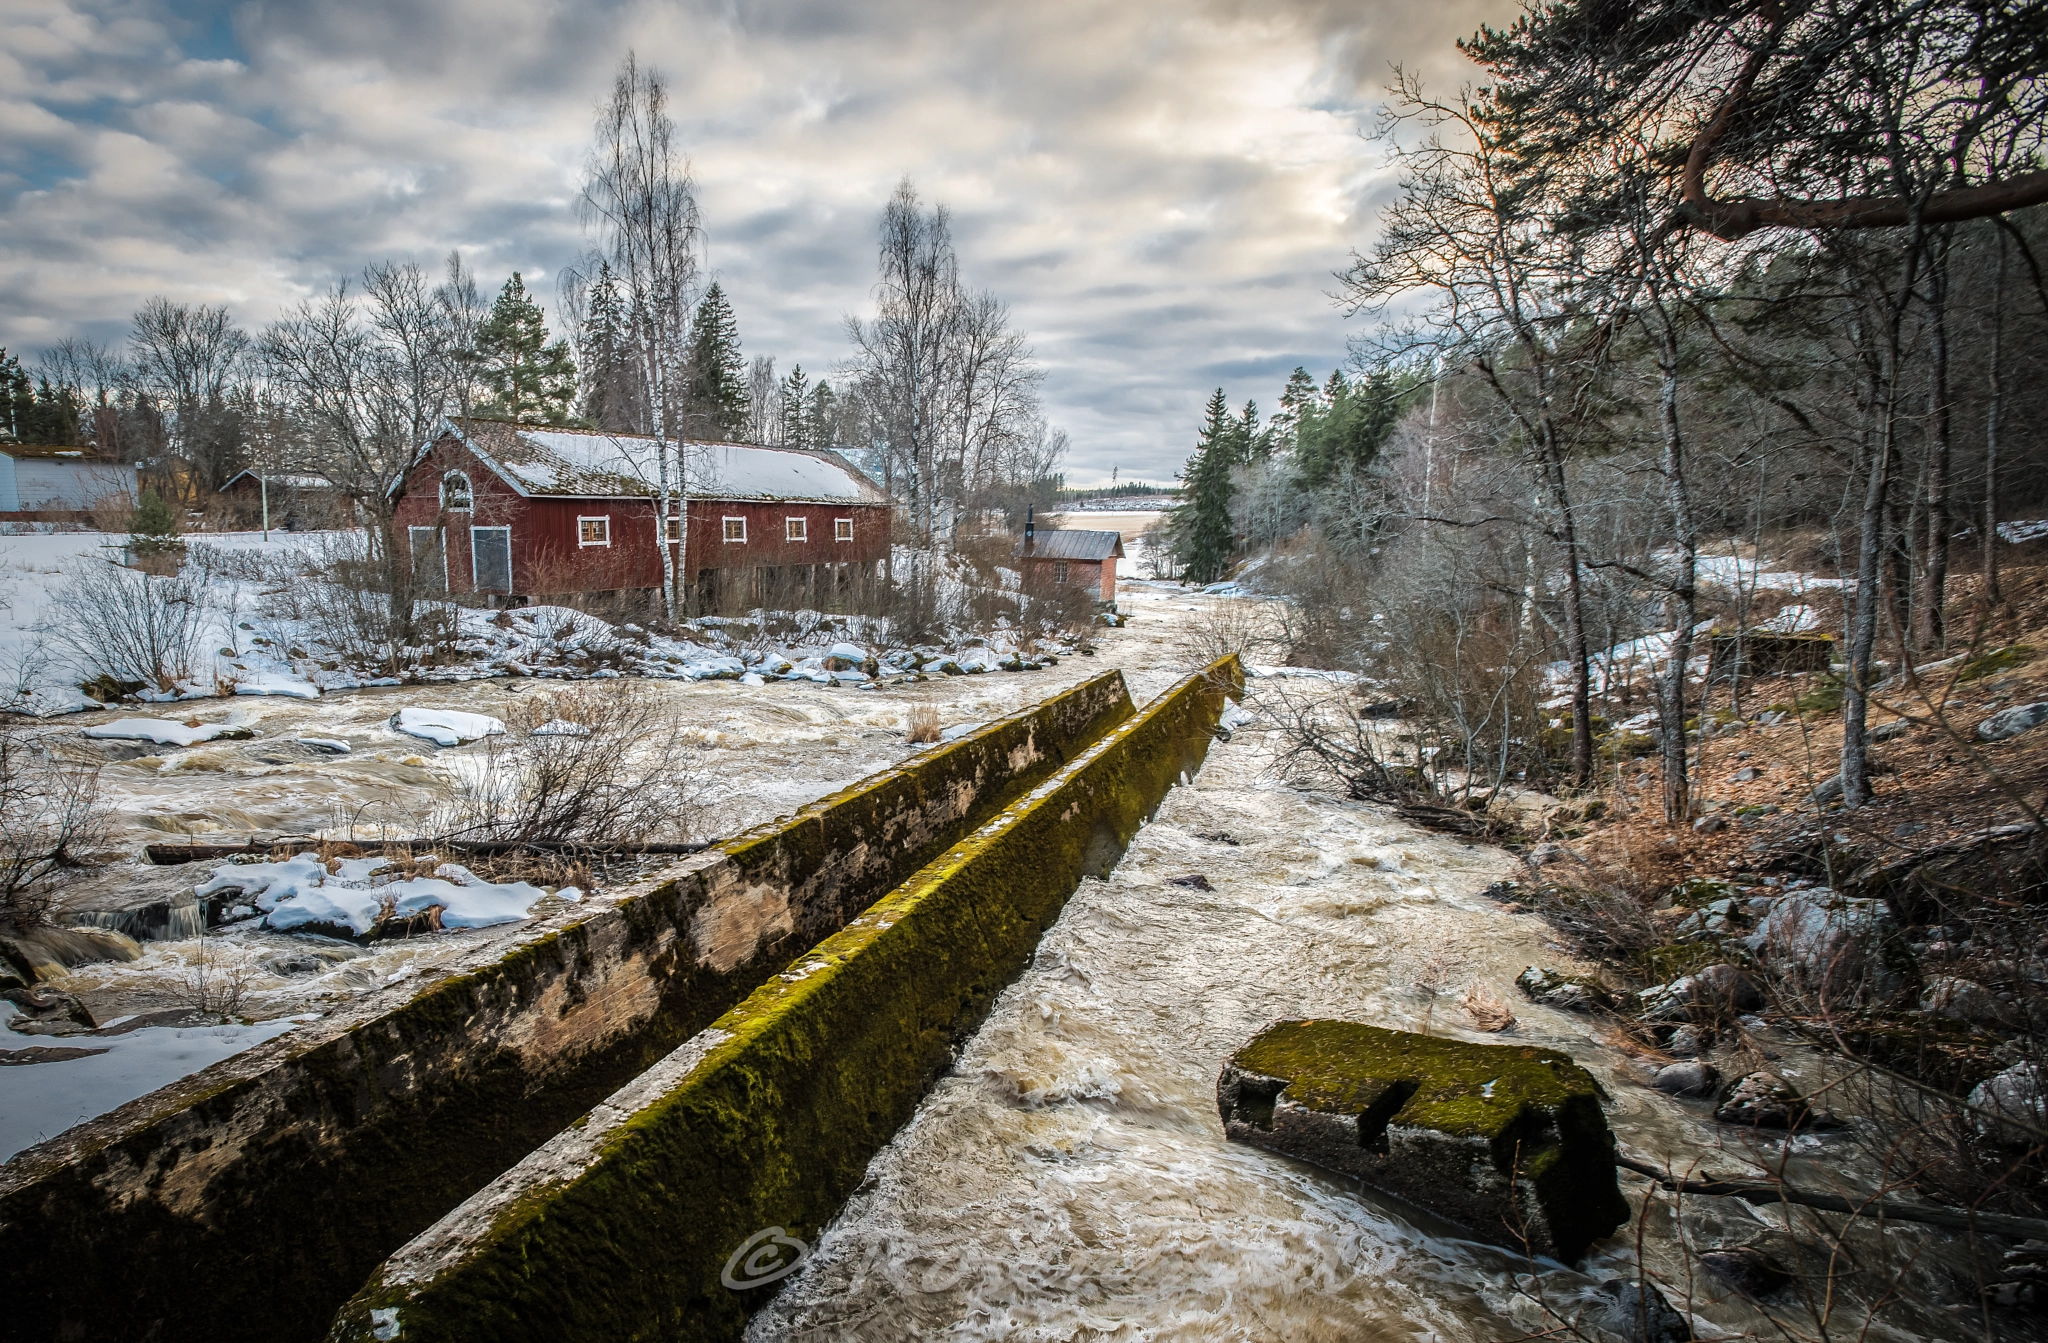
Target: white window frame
[(796, 529), (474, 585), (730, 539), (603, 518), (842, 529), (675, 528), (468, 491), (436, 538)]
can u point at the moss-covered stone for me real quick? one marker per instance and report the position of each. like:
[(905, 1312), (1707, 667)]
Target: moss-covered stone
[(1508, 1141), (626, 1225), (1996, 661)]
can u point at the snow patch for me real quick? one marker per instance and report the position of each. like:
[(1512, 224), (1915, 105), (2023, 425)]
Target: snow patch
[(446, 727), (160, 730)]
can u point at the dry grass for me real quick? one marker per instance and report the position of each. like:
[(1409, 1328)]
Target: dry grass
[(924, 724), (1487, 1010)]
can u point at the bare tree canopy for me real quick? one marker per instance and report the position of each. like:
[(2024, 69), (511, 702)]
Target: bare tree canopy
[(639, 200)]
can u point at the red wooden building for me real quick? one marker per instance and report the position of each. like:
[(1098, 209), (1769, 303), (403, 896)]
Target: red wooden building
[(1049, 559), (534, 511)]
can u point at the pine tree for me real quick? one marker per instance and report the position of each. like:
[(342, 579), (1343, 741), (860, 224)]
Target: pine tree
[(611, 373), (718, 371), (796, 409), (530, 379), (1298, 401), (1203, 539)]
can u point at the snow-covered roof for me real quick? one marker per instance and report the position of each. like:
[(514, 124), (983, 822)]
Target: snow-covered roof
[(1048, 544), (283, 481), (593, 464), (56, 451)]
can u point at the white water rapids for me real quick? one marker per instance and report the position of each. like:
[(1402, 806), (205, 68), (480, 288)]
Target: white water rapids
[(1069, 1178)]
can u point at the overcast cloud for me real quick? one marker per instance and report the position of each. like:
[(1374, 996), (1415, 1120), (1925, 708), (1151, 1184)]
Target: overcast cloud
[(1160, 190)]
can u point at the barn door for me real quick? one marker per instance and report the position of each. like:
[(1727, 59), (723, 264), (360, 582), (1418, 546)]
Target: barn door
[(490, 550)]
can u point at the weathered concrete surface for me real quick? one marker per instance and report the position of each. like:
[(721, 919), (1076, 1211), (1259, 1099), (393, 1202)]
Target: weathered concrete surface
[(630, 1224), (248, 1200), (1508, 1141)]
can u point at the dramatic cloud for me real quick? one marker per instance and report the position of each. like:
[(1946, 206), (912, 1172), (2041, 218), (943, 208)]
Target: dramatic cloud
[(1161, 191)]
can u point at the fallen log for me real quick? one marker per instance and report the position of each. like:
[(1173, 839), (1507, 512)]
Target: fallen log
[(1957, 1219), (170, 855)]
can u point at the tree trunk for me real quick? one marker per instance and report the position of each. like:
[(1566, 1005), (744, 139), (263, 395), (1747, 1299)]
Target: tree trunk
[(1993, 406), (1683, 602), (1870, 548), (1574, 611), (1932, 627)]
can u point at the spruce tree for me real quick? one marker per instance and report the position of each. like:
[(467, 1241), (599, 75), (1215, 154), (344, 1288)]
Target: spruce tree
[(35, 412), (154, 531), (1203, 539), (610, 370), (824, 416), (530, 379), (718, 371), (796, 409)]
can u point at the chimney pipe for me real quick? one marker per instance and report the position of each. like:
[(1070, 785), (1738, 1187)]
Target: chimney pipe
[(1030, 525)]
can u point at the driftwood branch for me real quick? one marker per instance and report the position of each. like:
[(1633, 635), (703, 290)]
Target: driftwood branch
[(1957, 1219)]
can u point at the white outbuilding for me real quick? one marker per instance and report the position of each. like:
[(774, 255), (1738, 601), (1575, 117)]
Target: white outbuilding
[(46, 479)]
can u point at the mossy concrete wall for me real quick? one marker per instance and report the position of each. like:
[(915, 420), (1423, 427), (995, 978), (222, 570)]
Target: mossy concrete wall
[(249, 1200), (629, 1224)]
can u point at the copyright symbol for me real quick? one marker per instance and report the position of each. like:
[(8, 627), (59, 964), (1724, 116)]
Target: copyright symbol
[(760, 1259)]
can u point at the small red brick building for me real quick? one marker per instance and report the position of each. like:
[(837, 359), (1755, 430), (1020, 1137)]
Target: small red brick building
[(1061, 559), (535, 511)]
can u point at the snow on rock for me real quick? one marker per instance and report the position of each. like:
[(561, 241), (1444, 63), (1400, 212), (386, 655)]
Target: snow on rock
[(300, 893), (273, 683), (446, 727), (560, 727), (845, 652), (752, 679), (333, 744), (164, 732)]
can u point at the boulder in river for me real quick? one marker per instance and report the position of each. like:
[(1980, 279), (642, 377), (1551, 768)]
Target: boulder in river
[(1552, 989), (1638, 1312), (1508, 1141), (1763, 1101)]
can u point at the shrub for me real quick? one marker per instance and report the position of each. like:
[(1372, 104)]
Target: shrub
[(602, 765), (128, 628), (51, 819)]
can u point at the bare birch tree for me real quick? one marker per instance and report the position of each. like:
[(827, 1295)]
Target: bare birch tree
[(639, 199)]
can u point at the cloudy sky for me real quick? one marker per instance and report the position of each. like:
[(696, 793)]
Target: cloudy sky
[(1160, 190)]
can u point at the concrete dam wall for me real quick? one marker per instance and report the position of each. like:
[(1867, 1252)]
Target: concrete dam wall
[(249, 1200), (645, 1219)]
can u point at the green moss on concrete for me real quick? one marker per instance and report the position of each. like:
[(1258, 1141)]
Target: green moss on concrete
[(1410, 1114), (1463, 1089), (369, 1135), (775, 1124)]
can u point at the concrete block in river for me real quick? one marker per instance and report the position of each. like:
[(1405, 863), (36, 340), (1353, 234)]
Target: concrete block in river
[(1508, 1141)]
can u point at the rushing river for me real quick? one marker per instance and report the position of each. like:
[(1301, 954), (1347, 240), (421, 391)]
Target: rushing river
[(1069, 1178)]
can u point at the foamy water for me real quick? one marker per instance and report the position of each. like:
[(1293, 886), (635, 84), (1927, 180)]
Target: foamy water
[(1069, 1179)]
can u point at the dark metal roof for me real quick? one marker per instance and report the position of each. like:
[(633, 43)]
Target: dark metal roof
[(1063, 545)]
